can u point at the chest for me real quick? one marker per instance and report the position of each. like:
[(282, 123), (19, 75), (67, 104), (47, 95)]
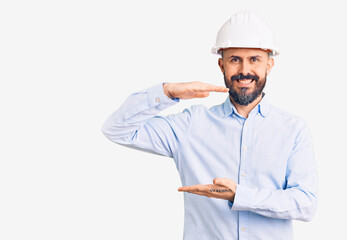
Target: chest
[(255, 151)]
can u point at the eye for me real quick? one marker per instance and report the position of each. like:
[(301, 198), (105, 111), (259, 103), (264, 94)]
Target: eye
[(235, 60), (254, 59)]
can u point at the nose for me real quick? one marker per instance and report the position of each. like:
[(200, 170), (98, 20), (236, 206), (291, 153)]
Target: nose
[(245, 68)]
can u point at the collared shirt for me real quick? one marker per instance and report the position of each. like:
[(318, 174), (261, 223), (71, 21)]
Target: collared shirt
[(269, 155)]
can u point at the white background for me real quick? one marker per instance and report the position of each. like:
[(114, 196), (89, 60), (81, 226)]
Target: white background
[(66, 65)]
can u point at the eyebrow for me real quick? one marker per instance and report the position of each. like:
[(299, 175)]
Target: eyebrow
[(233, 56), (257, 56)]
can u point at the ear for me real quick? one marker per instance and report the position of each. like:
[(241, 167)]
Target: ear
[(220, 63), (269, 65)]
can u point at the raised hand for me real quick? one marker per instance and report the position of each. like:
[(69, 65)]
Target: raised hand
[(191, 90), (222, 188)]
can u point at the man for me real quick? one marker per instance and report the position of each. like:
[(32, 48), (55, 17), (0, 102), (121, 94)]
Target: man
[(252, 161)]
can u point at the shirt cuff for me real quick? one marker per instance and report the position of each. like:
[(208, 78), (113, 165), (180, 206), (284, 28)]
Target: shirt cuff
[(157, 98), (230, 203), (243, 200)]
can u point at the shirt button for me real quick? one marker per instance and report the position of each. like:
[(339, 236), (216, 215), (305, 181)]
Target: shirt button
[(243, 174), (243, 229), (157, 100), (244, 147)]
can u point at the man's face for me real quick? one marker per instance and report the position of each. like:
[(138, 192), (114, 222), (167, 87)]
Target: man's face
[(245, 72)]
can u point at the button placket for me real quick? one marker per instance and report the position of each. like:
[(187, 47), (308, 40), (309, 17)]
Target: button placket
[(243, 151), (245, 147), (243, 225)]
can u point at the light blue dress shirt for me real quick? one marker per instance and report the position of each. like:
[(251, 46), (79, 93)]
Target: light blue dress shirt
[(269, 155)]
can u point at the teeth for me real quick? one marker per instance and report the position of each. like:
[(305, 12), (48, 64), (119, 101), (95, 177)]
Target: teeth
[(246, 81)]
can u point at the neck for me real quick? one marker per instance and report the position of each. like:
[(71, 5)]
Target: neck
[(245, 110)]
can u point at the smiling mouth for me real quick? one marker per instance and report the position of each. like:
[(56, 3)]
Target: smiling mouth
[(245, 81)]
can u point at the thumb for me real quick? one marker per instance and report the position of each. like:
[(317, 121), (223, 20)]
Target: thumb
[(225, 182)]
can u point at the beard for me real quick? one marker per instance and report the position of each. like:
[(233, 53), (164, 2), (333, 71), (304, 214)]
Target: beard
[(240, 95)]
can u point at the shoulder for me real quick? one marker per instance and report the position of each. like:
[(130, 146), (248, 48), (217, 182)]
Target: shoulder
[(289, 120)]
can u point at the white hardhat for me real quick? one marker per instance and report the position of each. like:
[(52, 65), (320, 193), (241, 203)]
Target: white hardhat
[(245, 30)]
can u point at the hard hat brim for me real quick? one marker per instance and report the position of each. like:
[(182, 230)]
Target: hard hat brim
[(218, 50)]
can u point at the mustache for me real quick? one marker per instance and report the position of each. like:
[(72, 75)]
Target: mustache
[(241, 76)]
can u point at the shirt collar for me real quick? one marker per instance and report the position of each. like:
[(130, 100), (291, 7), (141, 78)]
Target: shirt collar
[(228, 107), (263, 107)]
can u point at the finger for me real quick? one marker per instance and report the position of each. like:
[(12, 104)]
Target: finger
[(195, 188), (214, 88), (218, 89), (206, 87), (188, 188), (201, 94), (182, 189), (225, 182)]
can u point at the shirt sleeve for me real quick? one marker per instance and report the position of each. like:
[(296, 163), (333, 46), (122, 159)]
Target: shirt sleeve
[(298, 200), (136, 124)]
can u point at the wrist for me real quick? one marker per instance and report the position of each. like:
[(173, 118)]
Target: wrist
[(166, 88)]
